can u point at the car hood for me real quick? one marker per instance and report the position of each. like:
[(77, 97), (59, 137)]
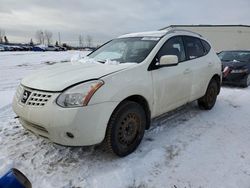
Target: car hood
[(60, 76), (235, 64)]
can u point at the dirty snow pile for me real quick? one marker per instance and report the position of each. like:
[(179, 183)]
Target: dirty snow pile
[(188, 148)]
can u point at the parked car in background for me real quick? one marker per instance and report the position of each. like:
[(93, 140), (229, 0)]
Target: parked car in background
[(236, 67), (52, 48), (11, 47), (7, 48), (26, 48), (62, 48), (16, 48), (39, 48), (112, 95)]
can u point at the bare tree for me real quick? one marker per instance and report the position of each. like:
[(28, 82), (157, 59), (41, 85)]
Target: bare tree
[(39, 36), (48, 36), (2, 34), (81, 40), (89, 40)]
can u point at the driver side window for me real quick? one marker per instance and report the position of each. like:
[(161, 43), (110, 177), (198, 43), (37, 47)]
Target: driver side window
[(173, 46)]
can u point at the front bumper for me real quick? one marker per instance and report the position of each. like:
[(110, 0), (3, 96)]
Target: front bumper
[(234, 78), (87, 124)]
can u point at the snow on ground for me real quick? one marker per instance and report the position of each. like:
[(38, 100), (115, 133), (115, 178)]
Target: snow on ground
[(188, 148), (15, 65)]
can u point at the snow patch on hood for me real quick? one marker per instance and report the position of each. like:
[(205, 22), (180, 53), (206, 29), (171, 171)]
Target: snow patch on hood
[(78, 58)]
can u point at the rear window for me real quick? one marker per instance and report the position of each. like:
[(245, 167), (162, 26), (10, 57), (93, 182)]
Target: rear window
[(206, 46), (194, 47)]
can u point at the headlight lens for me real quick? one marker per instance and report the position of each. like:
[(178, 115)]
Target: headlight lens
[(79, 95), (239, 71)]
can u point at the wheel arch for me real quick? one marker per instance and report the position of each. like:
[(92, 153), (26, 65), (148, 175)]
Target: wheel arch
[(141, 101)]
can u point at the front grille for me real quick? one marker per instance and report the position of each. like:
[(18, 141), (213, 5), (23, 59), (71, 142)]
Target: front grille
[(38, 98)]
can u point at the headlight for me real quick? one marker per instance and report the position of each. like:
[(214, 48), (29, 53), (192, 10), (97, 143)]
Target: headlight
[(79, 95), (239, 71)]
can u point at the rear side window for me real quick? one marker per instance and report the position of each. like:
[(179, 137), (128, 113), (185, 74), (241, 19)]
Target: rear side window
[(193, 47), (206, 46)]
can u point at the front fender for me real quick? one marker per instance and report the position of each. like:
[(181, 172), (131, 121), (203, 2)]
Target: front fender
[(119, 86)]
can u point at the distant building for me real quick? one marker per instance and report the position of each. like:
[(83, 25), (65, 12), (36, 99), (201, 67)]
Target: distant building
[(222, 37)]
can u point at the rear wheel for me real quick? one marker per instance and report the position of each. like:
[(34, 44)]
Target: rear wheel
[(207, 102), (125, 129)]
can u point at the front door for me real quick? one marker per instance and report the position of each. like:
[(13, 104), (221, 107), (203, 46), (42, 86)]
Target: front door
[(172, 85)]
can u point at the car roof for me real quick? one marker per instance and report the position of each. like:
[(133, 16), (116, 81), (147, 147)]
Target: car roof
[(145, 34), (235, 51), (161, 33)]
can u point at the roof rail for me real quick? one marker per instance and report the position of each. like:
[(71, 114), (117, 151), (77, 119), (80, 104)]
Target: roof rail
[(172, 30), (205, 25)]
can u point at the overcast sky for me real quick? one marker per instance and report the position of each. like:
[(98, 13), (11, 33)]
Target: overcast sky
[(107, 19)]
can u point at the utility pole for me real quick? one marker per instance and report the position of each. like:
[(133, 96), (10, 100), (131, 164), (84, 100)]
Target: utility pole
[(42, 34), (59, 38)]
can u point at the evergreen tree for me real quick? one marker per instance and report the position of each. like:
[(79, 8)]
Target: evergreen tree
[(31, 42), (6, 41)]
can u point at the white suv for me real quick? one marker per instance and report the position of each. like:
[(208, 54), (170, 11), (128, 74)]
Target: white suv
[(111, 95)]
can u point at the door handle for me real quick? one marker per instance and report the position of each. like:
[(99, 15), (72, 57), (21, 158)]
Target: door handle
[(210, 64), (186, 71)]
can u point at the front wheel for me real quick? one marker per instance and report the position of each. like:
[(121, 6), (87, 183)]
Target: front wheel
[(247, 81), (125, 129), (207, 102)]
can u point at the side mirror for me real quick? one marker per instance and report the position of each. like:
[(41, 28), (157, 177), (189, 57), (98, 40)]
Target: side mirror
[(169, 60)]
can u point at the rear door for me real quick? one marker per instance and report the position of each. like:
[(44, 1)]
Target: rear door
[(172, 84), (200, 65)]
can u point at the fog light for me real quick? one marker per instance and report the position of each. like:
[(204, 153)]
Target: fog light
[(70, 135)]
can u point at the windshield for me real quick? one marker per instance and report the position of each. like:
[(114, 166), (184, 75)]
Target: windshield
[(241, 56), (123, 50)]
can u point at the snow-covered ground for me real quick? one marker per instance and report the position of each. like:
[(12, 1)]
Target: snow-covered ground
[(188, 148)]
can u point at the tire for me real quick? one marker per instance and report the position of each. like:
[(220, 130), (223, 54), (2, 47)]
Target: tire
[(246, 81), (207, 102), (125, 129)]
